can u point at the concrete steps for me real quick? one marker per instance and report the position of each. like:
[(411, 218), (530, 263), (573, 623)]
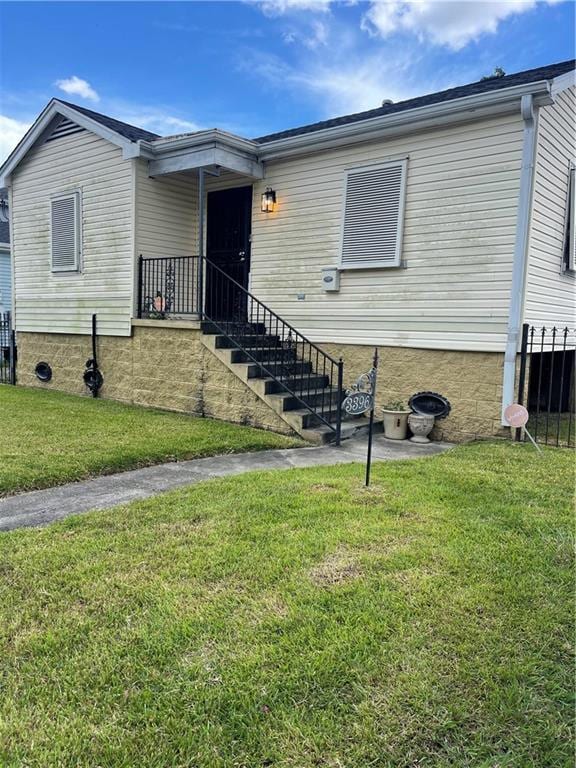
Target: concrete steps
[(306, 385)]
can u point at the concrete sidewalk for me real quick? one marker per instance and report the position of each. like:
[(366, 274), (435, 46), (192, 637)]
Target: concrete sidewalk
[(43, 507)]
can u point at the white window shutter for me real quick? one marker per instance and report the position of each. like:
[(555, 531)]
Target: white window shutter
[(65, 223), (569, 256), (373, 215)]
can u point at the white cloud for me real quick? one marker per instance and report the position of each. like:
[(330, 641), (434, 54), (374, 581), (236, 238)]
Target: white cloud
[(279, 7), (452, 23), (75, 86), (362, 82), (154, 119), (11, 131), (312, 38)]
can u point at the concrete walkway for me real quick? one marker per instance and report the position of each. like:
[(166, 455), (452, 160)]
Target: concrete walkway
[(43, 507)]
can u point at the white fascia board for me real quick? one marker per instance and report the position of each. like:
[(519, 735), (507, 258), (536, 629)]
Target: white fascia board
[(202, 157), (53, 109), (430, 116), (563, 82), (203, 149), (200, 138)]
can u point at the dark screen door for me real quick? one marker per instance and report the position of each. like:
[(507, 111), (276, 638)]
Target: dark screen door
[(229, 217)]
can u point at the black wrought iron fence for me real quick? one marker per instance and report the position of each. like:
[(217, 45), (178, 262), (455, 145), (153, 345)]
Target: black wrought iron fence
[(170, 285), (546, 383), (7, 350)]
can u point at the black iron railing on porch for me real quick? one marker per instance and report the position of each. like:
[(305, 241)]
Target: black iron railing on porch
[(546, 383), (174, 286), (169, 285)]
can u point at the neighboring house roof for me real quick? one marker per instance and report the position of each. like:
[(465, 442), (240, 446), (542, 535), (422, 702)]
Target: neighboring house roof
[(481, 86), (130, 132)]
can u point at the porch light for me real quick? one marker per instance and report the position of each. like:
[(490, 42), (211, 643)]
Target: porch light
[(268, 200)]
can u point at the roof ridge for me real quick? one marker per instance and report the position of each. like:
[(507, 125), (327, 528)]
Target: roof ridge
[(477, 86)]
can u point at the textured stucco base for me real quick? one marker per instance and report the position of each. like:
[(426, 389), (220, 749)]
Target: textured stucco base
[(157, 367), (472, 382)]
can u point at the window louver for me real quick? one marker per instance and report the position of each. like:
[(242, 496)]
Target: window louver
[(66, 233), (373, 214)]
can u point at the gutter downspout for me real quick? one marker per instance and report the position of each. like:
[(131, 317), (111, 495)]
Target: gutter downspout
[(520, 251)]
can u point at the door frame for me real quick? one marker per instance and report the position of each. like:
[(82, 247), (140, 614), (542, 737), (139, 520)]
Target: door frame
[(249, 203)]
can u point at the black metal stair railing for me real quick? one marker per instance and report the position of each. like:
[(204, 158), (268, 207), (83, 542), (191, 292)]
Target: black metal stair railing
[(173, 286), (297, 366)]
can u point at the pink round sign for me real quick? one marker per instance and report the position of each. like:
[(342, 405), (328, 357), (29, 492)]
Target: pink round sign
[(516, 415)]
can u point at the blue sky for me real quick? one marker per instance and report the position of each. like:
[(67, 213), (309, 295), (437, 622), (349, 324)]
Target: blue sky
[(257, 67)]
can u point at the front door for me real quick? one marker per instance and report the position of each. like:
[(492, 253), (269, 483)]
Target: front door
[(229, 217)]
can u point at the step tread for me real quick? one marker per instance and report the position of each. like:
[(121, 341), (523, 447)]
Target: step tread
[(312, 392)]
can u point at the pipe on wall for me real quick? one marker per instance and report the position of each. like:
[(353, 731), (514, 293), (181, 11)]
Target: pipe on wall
[(520, 251)]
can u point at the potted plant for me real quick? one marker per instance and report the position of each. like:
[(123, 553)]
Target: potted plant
[(395, 416)]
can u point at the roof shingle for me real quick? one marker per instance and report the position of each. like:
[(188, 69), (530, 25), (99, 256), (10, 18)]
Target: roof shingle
[(130, 132)]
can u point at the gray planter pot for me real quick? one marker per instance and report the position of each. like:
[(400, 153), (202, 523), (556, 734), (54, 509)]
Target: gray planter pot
[(420, 426), (395, 424)]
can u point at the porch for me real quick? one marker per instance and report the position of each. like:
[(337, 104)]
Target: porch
[(294, 377), (206, 194)]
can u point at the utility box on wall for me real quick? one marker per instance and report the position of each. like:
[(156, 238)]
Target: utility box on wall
[(330, 279)]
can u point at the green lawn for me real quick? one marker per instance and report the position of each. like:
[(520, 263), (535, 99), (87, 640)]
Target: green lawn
[(297, 620), (50, 438)]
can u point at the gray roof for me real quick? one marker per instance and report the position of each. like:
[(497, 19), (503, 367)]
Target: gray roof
[(130, 132), (481, 86), (549, 72)]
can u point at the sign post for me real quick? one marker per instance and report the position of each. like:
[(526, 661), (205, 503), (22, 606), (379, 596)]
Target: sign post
[(517, 416), (359, 399), (374, 373)]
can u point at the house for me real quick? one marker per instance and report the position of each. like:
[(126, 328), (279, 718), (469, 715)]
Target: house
[(250, 279), (5, 266)]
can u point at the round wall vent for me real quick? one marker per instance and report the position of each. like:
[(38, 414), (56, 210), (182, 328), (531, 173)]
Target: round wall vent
[(43, 372), (430, 404)]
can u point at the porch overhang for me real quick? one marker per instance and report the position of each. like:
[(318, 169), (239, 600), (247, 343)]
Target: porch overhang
[(204, 149)]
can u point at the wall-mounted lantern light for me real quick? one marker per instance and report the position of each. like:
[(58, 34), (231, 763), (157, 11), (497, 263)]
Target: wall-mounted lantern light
[(268, 200)]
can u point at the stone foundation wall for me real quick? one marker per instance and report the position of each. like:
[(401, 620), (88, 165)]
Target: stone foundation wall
[(170, 368), (472, 382), (160, 367)]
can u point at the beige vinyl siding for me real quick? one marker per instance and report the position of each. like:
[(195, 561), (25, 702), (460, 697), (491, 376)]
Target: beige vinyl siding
[(64, 302), (462, 189), (166, 213), (550, 294)]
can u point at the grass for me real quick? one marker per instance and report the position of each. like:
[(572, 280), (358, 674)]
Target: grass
[(297, 620), (49, 438), (553, 429)]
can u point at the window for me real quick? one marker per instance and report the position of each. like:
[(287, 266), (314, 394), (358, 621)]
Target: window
[(569, 252), (373, 215), (65, 233)]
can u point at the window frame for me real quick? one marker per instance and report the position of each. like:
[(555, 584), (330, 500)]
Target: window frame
[(375, 166), (76, 195), (569, 234)]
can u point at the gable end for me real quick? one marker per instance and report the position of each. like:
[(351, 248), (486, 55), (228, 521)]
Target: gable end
[(64, 127)]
